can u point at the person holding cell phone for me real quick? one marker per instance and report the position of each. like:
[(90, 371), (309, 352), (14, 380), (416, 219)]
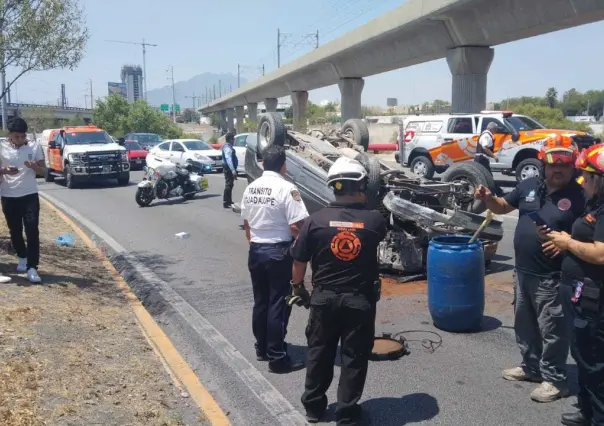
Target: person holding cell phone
[(583, 269), (541, 322), (20, 161)]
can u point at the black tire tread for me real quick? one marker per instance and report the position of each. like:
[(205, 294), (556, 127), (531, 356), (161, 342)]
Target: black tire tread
[(359, 130), (277, 130), (374, 184)]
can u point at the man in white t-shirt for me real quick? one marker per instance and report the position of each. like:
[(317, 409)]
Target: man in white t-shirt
[(20, 161), (273, 212)]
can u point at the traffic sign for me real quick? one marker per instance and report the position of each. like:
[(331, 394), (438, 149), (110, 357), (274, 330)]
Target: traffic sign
[(164, 108), (177, 108)]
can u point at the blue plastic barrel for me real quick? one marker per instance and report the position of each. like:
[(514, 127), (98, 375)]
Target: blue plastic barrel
[(455, 272)]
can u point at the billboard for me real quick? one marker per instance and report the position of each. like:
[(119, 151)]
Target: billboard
[(119, 88), (391, 102)]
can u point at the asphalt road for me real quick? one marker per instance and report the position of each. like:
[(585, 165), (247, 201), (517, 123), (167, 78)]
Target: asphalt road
[(458, 384)]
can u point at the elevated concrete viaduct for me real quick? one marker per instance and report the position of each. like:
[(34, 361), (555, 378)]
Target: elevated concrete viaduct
[(462, 31)]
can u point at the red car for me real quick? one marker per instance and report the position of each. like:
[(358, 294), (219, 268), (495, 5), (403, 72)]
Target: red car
[(136, 154)]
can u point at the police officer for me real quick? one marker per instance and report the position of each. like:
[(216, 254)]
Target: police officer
[(542, 331), (583, 269), (273, 212), (229, 167), (485, 148), (341, 242)]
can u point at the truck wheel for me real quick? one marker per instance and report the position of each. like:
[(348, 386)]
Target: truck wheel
[(531, 167), (271, 131), (48, 176), (69, 180), (123, 180), (356, 129), (467, 172), (422, 166), (374, 184), (479, 206)]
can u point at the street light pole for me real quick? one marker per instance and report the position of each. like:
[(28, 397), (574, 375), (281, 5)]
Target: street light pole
[(173, 95)]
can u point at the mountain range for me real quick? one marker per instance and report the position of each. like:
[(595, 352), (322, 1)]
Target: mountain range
[(195, 86)]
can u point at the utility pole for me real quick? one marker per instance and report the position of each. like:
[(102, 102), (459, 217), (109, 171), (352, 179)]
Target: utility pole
[(144, 45), (173, 93), (238, 76), (317, 46), (220, 88), (207, 99), (278, 48), (194, 98), (214, 97), (262, 69), (91, 97)]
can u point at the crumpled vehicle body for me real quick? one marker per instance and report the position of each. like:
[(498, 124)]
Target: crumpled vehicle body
[(416, 209)]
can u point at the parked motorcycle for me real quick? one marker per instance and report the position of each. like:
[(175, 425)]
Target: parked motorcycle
[(165, 179)]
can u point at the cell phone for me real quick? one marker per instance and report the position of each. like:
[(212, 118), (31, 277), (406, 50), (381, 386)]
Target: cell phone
[(535, 217)]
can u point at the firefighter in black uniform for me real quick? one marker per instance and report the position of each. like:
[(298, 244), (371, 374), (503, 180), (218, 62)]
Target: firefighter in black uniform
[(341, 242), (583, 268)]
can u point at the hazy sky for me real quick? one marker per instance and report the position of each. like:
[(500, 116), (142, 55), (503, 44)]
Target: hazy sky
[(209, 36)]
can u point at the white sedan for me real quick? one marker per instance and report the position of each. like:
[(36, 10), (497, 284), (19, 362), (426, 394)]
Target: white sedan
[(240, 144), (180, 150)]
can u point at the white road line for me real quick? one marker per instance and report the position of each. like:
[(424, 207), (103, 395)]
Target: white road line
[(276, 404)]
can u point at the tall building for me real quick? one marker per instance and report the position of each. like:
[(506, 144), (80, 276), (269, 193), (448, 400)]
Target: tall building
[(132, 76)]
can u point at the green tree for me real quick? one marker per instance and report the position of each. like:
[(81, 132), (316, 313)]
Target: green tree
[(551, 96), (289, 112), (190, 116), (111, 114), (331, 107), (116, 116), (573, 103), (41, 35), (551, 118), (77, 120), (368, 111)]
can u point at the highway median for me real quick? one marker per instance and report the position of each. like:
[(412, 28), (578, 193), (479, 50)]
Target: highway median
[(73, 350)]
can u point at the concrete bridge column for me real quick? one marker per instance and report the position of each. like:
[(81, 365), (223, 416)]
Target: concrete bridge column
[(230, 119), (271, 104), (252, 112), (351, 89), (299, 101), (469, 67), (239, 113), (223, 118)]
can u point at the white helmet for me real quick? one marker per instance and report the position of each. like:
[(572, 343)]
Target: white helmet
[(345, 168)]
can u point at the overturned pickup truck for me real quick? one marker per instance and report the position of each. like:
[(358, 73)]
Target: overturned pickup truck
[(416, 209)]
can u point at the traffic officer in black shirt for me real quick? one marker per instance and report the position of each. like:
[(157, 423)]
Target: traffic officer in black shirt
[(341, 242), (583, 269), (542, 331)]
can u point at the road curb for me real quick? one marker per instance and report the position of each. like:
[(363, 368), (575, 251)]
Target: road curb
[(176, 366)]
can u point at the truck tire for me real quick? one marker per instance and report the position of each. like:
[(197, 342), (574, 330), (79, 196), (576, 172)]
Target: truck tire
[(123, 180), (48, 176), (69, 180), (356, 129), (468, 171), (374, 181), (424, 165), (271, 131), (524, 166), (478, 206)]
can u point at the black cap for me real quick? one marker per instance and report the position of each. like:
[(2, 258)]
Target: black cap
[(230, 136), (18, 125)]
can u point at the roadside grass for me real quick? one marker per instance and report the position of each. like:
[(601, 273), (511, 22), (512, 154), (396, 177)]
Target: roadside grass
[(71, 351)]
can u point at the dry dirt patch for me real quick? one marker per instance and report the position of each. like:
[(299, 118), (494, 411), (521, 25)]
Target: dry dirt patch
[(71, 351)]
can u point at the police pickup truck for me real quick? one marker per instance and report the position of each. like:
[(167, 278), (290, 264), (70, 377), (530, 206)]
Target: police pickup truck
[(85, 153)]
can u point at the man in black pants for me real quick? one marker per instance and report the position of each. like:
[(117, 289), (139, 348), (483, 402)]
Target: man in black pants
[(341, 242), (229, 167), (20, 161)]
